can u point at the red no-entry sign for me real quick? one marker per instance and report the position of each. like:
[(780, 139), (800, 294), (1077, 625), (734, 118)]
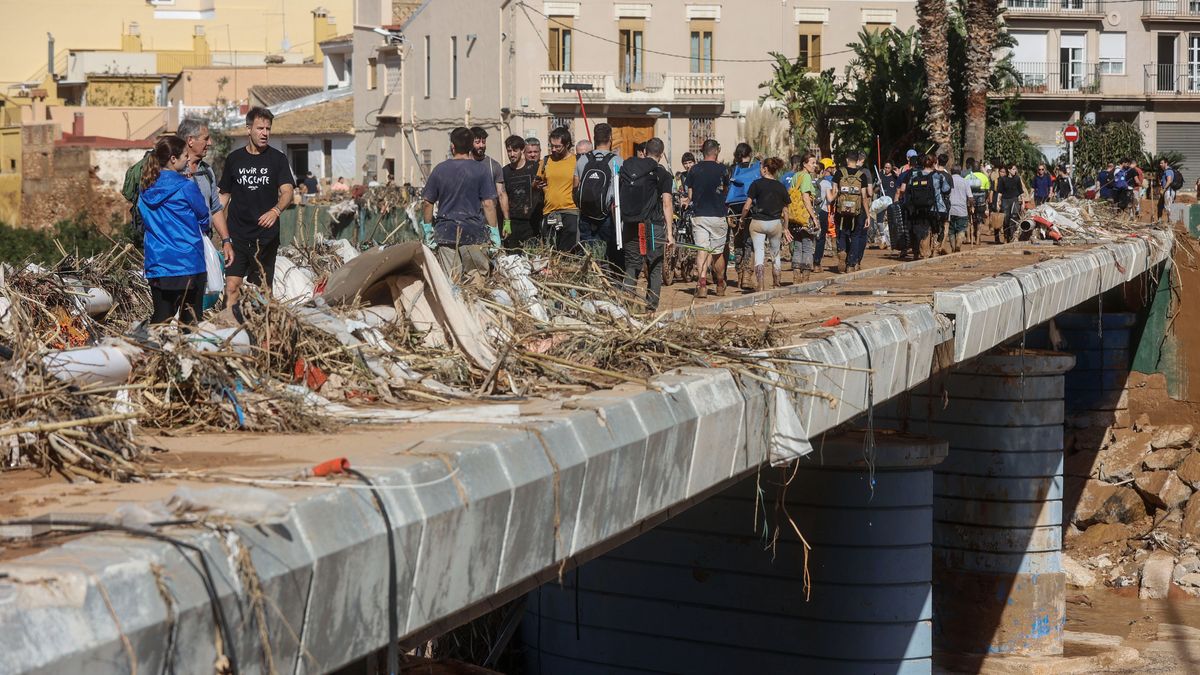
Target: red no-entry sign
[(1071, 133)]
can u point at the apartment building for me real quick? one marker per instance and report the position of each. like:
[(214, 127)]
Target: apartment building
[(682, 70), (1136, 60)]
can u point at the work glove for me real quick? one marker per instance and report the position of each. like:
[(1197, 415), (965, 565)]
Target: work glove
[(495, 234), (507, 231)]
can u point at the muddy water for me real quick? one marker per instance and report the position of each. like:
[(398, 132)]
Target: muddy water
[(1165, 632)]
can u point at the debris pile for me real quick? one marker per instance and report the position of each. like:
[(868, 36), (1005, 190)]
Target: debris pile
[(376, 336), (1136, 509), (1080, 219)]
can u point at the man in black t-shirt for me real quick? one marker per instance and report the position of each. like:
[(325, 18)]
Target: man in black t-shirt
[(706, 184), (644, 243), (256, 187), (518, 230)]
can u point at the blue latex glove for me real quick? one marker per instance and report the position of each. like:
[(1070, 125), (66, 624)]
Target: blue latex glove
[(495, 234)]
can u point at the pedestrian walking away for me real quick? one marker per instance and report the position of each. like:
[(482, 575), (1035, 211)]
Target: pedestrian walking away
[(766, 213), (556, 178), (1170, 180), (707, 184), (960, 199), (464, 193), (743, 172), (980, 185), (176, 219), (256, 186), (853, 189), (922, 195), (595, 194), (646, 211)]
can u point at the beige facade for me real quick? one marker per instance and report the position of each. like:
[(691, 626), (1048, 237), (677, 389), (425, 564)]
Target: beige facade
[(1137, 61), (201, 88), (231, 26), (503, 64)]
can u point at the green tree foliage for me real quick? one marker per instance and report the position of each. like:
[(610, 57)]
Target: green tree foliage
[(1008, 143), (1109, 142), (886, 93), (76, 236), (806, 99)]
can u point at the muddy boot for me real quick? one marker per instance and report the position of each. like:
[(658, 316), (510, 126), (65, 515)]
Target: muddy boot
[(775, 277), (798, 276), (759, 281), (702, 288), (741, 276), (841, 262)]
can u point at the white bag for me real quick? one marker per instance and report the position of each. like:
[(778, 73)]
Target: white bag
[(214, 266)]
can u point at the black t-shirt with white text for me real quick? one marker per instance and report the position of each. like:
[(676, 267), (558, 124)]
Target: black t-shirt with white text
[(253, 183), (518, 183)]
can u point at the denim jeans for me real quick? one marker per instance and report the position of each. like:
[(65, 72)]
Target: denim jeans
[(804, 244), (822, 229), (852, 237)]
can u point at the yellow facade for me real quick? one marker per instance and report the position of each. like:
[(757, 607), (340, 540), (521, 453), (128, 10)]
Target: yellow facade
[(122, 91), (237, 25)]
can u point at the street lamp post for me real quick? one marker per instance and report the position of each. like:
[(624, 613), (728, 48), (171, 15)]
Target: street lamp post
[(657, 112)]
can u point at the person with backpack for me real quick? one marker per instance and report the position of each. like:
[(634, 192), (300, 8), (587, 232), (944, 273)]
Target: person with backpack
[(923, 194), (766, 213), (595, 194), (980, 184), (1122, 187), (556, 179), (175, 216), (743, 172), (706, 184), (854, 195), (802, 219), (1170, 180), (646, 212)]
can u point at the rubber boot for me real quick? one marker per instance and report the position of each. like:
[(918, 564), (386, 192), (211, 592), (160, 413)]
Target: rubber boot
[(798, 276), (775, 277), (741, 276), (842, 262), (702, 288), (759, 281)]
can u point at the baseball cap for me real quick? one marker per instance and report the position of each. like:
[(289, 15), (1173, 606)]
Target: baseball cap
[(826, 163), (910, 154)]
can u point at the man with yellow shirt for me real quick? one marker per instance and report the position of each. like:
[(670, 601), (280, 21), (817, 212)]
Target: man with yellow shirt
[(556, 177)]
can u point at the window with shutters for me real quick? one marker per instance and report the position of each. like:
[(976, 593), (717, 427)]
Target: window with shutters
[(631, 45), (372, 73), (561, 38), (702, 45), (1112, 53), (809, 55)]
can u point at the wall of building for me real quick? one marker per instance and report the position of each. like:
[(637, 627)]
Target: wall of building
[(111, 164), (342, 159), (203, 86), (242, 25), (10, 199), (130, 123)]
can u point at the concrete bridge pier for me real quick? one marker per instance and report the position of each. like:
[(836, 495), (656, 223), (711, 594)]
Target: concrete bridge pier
[(998, 581), (721, 587)]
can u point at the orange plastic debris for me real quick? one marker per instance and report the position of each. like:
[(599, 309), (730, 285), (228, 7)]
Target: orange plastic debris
[(835, 321), (332, 466)]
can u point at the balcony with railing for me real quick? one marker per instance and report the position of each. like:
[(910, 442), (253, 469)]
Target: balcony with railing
[(1173, 80), (1056, 9), (1057, 79), (1171, 10), (647, 88)]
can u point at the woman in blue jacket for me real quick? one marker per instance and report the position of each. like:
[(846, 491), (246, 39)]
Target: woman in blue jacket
[(176, 217)]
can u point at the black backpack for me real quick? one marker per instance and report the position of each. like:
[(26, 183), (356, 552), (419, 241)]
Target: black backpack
[(1177, 181), (640, 198), (921, 192), (592, 194)]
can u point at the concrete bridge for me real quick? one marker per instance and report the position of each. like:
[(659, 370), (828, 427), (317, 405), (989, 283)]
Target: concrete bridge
[(674, 494)]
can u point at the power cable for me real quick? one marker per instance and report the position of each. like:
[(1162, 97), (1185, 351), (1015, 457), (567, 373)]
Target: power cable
[(206, 576)]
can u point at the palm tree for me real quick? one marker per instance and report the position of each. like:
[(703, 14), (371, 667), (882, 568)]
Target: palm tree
[(885, 93), (982, 27), (933, 23), (807, 98)]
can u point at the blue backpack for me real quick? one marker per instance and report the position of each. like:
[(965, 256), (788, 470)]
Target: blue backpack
[(739, 182), (1120, 181)]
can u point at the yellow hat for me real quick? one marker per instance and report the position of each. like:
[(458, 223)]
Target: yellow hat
[(826, 163)]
